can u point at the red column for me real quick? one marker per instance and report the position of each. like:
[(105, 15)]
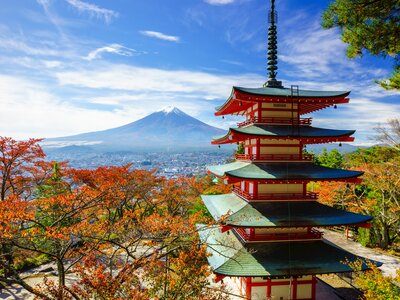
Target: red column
[(269, 288), (301, 150), (294, 291), (314, 288), (248, 288), (255, 189)]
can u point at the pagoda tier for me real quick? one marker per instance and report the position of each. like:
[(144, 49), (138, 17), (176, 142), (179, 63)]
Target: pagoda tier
[(245, 100), (233, 211), (268, 135), (231, 257), (281, 173)]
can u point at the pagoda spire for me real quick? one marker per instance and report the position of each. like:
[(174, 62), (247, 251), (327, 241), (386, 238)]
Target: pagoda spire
[(272, 49)]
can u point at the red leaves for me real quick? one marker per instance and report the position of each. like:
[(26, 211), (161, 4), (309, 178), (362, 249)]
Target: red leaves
[(123, 229), (19, 161)]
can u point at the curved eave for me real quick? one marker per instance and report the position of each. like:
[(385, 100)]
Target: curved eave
[(242, 98), (282, 171), (306, 134), (228, 257), (236, 212)]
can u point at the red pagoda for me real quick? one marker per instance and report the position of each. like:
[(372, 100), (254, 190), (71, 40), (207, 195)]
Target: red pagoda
[(269, 240)]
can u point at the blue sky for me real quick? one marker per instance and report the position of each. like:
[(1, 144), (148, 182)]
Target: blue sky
[(73, 66)]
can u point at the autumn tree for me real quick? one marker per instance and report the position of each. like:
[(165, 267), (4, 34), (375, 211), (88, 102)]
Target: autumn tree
[(377, 195), (126, 233), (20, 161), (22, 167), (374, 284), (372, 26)]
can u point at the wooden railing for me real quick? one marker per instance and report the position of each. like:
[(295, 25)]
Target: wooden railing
[(254, 157), (275, 196), (276, 120), (310, 235)]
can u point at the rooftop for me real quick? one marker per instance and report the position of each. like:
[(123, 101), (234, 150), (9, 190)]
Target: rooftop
[(287, 131), (281, 171), (277, 214), (275, 259)]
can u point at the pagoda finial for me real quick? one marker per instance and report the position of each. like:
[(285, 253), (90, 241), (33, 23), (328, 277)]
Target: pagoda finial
[(272, 49)]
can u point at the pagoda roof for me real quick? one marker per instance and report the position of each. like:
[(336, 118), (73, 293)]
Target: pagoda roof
[(286, 92), (283, 131), (281, 171), (240, 213), (229, 257), (241, 98)]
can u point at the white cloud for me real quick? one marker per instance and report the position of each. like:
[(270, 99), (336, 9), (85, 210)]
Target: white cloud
[(94, 10), (362, 114), (161, 36), (113, 48), (52, 63), (15, 44), (141, 79), (313, 53), (219, 2), (28, 109)]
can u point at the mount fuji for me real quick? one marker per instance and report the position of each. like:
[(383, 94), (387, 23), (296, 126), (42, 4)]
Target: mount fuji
[(169, 129)]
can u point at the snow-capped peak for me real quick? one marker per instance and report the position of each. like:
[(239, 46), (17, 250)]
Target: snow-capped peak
[(170, 109)]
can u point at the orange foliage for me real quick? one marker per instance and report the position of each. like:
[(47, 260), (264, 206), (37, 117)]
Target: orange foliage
[(19, 163), (115, 225)]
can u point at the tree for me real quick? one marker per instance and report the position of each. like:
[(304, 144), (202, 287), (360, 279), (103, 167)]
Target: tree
[(378, 195), (20, 161), (390, 135), (375, 285), (332, 159), (368, 25), (126, 233), (22, 167)]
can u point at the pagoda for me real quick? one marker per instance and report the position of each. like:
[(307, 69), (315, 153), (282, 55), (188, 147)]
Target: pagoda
[(268, 239)]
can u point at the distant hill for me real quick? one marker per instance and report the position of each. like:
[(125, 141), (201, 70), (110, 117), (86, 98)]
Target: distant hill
[(345, 148), (169, 129)]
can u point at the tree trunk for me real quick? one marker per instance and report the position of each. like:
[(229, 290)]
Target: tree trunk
[(385, 235), (61, 278)]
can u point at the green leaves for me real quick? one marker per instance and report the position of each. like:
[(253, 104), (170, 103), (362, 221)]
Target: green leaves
[(368, 25)]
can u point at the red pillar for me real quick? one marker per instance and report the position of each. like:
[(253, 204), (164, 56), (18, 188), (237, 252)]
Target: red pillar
[(248, 288), (294, 291), (314, 288), (269, 288)]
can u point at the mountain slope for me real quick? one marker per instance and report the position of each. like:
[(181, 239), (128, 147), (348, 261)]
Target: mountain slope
[(168, 129)]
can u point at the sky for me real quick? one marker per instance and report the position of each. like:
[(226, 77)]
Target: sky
[(74, 66)]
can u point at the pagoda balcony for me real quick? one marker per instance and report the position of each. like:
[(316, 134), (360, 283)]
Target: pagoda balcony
[(311, 234), (275, 121), (275, 196), (274, 157)]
